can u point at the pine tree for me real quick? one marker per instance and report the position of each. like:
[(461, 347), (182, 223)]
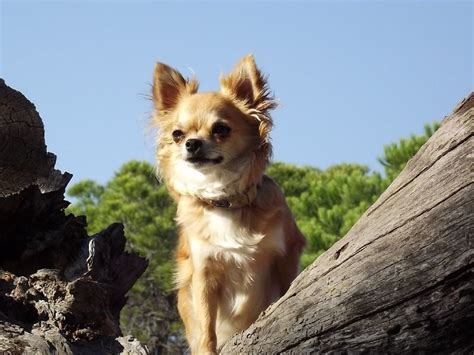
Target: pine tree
[(396, 155), (135, 198)]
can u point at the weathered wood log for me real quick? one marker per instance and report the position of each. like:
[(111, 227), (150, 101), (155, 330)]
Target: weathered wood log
[(61, 291), (402, 279)]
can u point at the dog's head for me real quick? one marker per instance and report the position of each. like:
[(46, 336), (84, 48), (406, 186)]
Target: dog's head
[(212, 143)]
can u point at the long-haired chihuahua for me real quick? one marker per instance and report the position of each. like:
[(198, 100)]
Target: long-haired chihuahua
[(239, 246)]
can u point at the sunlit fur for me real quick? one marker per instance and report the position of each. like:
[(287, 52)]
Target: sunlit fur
[(231, 263)]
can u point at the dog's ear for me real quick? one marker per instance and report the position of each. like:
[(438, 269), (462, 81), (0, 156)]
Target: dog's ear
[(169, 86), (246, 83)]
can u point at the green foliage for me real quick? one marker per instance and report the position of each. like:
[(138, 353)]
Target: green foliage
[(135, 198), (326, 204), (396, 155)]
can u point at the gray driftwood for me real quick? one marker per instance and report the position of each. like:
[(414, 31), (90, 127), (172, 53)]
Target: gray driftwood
[(61, 291), (402, 279)]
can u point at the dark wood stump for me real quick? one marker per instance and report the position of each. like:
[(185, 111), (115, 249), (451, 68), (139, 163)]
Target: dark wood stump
[(60, 290)]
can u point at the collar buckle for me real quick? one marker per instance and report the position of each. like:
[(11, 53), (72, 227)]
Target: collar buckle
[(221, 203), (236, 201)]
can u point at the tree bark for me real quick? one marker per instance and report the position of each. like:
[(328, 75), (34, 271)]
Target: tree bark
[(402, 279), (61, 291)]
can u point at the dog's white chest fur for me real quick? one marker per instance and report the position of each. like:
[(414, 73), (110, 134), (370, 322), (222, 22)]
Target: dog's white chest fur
[(238, 249), (225, 239)]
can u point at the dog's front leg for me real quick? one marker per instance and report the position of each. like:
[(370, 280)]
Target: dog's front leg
[(204, 289)]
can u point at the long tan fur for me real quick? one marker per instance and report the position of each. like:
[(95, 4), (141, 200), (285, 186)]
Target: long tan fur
[(231, 262)]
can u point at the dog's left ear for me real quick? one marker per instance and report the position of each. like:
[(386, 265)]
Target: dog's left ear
[(247, 84)]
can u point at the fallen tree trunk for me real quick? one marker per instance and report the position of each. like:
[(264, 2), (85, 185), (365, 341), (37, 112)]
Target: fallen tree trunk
[(402, 279), (61, 291)]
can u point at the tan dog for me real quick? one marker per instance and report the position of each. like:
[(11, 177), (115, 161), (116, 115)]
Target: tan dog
[(239, 245)]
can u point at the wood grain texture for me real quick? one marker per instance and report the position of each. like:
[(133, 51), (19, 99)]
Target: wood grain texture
[(23, 157), (61, 291), (402, 279)]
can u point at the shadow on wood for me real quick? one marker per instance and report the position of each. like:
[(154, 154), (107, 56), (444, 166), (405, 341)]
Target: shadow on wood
[(402, 279)]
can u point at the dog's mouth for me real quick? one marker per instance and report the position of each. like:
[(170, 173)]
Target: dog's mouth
[(204, 161)]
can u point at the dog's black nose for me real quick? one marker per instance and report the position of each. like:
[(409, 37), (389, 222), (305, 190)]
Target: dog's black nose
[(193, 145)]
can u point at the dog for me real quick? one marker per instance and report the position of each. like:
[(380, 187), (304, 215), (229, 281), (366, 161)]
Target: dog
[(239, 245)]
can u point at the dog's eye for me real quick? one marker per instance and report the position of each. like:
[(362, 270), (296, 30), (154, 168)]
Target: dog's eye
[(177, 135), (221, 130)]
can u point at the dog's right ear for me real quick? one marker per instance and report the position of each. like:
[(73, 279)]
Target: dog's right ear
[(169, 86)]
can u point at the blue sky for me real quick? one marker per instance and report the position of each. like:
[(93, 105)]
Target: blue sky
[(350, 76)]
